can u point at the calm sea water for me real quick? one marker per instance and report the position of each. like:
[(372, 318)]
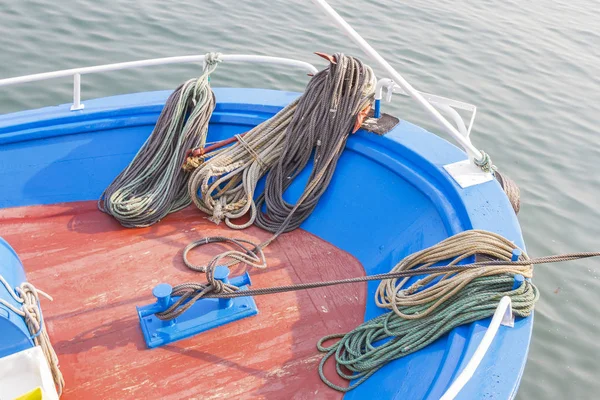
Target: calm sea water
[(531, 67)]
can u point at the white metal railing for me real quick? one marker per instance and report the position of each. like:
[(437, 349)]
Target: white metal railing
[(458, 133), (444, 104), (77, 72), (502, 316), (463, 140)]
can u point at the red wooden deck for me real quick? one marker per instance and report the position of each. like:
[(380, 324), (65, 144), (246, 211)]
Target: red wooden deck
[(98, 272)]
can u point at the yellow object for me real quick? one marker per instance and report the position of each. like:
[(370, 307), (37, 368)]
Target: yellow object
[(35, 394)]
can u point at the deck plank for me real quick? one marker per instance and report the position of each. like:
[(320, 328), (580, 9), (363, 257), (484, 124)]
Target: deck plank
[(98, 271)]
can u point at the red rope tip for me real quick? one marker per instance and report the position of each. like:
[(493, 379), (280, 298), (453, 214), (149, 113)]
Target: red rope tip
[(195, 152), (326, 56), (360, 118)]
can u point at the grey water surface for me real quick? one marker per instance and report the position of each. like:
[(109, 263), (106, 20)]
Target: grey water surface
[(531, 67)]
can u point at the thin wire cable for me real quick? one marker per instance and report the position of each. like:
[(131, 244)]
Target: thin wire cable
[(442, 298)]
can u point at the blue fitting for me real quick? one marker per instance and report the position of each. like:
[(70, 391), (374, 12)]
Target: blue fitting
[(162, 292), (516, 254), (377, 112), (221, 273), (242, 280), (519, 279), (204, 314)]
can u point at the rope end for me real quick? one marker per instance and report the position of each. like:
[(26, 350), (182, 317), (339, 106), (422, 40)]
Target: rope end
[(192, 163)]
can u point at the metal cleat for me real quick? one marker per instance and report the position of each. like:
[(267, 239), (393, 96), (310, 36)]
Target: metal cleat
[(205, 314)]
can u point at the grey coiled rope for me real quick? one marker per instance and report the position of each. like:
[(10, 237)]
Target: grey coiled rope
[(153, 184)]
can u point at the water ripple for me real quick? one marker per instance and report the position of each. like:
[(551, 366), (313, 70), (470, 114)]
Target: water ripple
[(530, 67)]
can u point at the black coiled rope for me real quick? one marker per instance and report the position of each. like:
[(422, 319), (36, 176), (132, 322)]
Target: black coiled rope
[(322, 122)]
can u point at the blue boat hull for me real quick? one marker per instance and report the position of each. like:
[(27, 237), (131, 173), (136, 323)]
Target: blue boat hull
[(390, 197)]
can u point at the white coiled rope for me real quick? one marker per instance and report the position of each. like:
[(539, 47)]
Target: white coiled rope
[(224, 185)]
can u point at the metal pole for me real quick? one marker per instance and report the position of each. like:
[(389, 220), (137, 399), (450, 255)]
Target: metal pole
[(471, 150), (503, 311), (77, 93)]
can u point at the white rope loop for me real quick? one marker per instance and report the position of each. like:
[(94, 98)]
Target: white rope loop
[(31, 311)]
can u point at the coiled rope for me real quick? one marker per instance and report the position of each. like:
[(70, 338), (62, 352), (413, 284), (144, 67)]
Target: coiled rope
[(153, 184), (443, 297), (325, 117), (321, 121), (433, 305), (224, 185), (27, 295), (361, 353)]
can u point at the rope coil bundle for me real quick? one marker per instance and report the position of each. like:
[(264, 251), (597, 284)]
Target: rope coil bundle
[(362, 354), (326, 115), (332, 107), (433, 305), (227, 180), (27, 295), (153, 184), (392, 293)]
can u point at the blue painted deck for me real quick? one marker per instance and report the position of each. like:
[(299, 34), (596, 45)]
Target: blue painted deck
[(389, 197)]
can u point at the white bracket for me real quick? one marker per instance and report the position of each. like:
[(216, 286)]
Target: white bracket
[(443, 104), (467, 174), (500, 315), (508, 319)]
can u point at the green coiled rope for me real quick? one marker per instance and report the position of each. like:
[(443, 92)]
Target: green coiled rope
[(363, 351), (433, 305)]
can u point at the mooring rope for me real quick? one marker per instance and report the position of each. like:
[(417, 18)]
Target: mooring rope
[(326, 115), (509, 186), (31, 311), (511, 190), (321, 120), (223, 186), (364, 350), (443, 297), (153, 184)]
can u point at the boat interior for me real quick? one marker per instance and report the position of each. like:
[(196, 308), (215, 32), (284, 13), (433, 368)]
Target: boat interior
[(390, 197)]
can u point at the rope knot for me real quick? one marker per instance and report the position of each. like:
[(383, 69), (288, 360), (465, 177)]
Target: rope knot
[(192, 163), (212, 58), (485, 163), (217, 286), (217, 213)]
